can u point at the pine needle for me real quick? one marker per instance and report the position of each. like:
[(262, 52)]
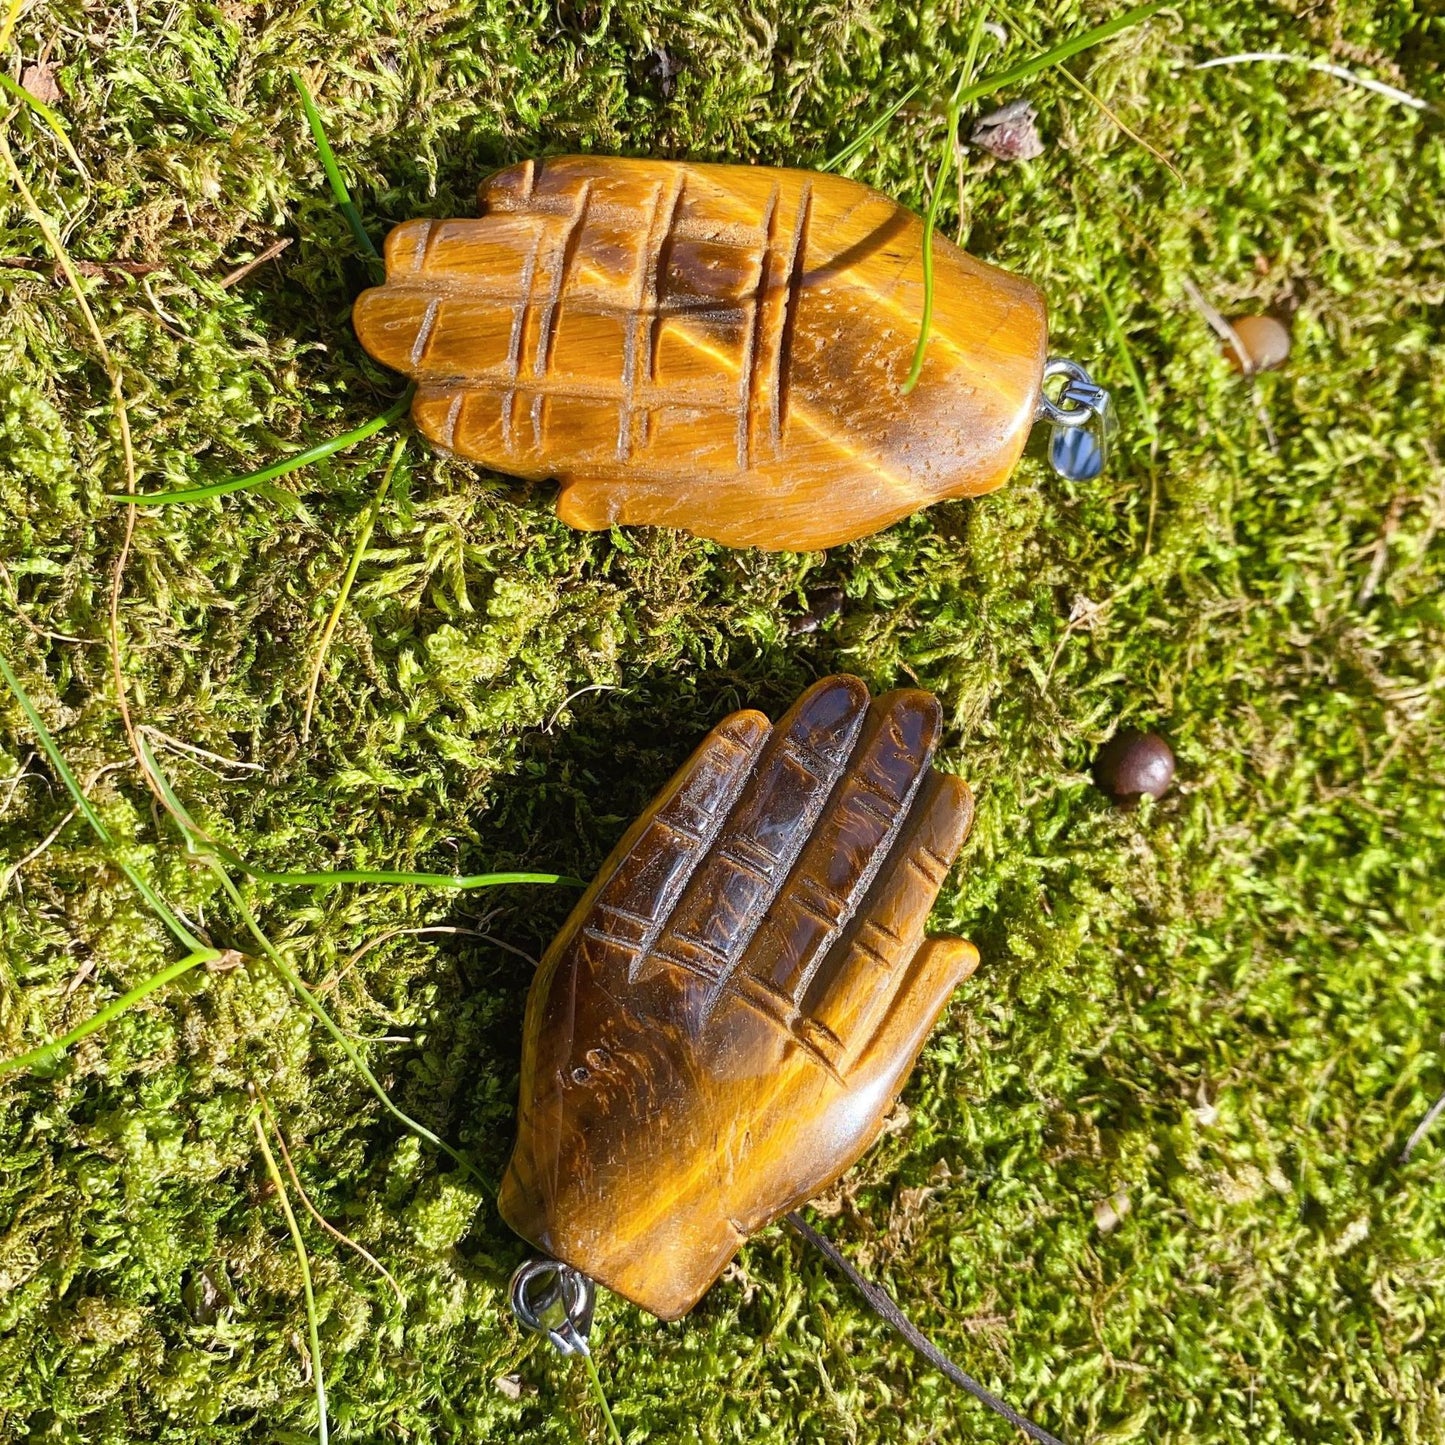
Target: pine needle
[(363, 538), (313, 1333)]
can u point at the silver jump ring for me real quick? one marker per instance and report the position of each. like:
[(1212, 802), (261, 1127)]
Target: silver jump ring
[(1081, 399), (553, 1299)]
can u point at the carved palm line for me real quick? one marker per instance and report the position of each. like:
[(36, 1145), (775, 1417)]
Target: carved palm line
[(780, 275), (637, 935)]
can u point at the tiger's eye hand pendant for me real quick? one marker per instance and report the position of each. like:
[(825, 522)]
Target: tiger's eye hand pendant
[(717, 348)]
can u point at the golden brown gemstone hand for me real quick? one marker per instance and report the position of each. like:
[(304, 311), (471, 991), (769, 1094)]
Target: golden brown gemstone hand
[(725, 1020), (716, 348)]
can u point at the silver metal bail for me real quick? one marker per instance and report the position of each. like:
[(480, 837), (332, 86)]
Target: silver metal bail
[(553, 1299), (1081, 419)]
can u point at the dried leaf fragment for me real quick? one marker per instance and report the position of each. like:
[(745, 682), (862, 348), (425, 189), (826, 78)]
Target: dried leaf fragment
[(39, 81), (1010, 133)]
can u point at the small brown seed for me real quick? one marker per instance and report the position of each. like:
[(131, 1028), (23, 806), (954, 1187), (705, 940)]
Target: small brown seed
[(1134, 765), (1265, 341), (823, 605)]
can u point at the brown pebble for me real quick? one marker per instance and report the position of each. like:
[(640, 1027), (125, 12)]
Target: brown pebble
[(1134, 765), (1265, 341)]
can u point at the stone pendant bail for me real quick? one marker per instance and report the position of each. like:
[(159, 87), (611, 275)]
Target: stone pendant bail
[(1081, 418), (553, 1299)]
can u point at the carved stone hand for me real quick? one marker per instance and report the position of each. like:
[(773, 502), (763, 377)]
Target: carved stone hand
[(717, 348), (723, 1024)]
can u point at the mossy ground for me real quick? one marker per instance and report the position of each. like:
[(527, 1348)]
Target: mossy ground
[(1211, 1024)]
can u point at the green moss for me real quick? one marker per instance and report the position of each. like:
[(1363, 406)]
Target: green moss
[(1149, 1183)]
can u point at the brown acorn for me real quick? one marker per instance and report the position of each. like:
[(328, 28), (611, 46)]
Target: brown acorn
[(1134, 765), (1264, 340)]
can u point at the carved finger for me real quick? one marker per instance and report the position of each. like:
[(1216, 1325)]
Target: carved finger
[(726, 899), (431, 320), (628, 904), (864, 817), (938, 967), (745, 509), (859, 978)]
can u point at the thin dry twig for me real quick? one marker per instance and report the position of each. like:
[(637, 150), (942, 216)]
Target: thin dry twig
[(1422, 1128), (83, 268), (358, 552), (1083, 615), (9, 875), (326, 985), (1230, 336), (316, 1214), (18, 777), (35, 627), (1379, 550), (1436, 520), (581, 691), (177, 745), (245, 269), (1325, 67), (1218, 324)]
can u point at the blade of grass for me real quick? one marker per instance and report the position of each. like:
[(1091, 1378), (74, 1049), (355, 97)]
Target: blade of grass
[(1126, 355), (12, 14), (864, 136), (205, 849), (184, 936), (925, 324), (289, 464), (298, 986), (203, 846), (964, 96), (54, 1047), (596, 1380), (1065, 50), (1023, 28), (313, 1211), (450, 881), (1146, 408), (333, 171), (363, 538), (50, 118), (314, 1334)]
